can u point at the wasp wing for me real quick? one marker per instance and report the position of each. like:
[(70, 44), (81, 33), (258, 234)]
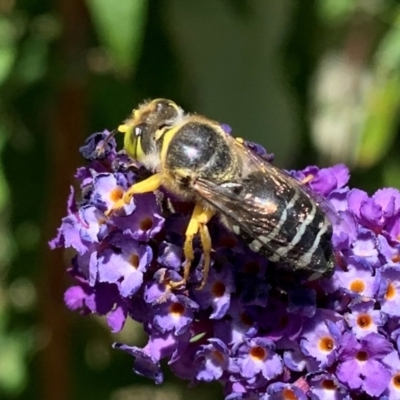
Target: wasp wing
[(269, 208), (255, 161)]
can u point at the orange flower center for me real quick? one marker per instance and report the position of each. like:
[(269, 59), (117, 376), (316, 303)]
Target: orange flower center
[(134, 260), (218, 289), (396, 258), (218, 356), (176, 310), (396, 381), (326, 343), (288, 394), (362, 355), (357, 286), (390, 291), (146, 224), (258, 353), (328, 384), (364, 321), (116, 194)]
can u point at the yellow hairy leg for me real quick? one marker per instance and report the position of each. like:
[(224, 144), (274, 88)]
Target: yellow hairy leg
[(197, 224), (148, 185)]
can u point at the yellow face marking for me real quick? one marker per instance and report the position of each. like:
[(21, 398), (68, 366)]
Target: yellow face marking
[(167, 139), (123, 128), (159, 133)]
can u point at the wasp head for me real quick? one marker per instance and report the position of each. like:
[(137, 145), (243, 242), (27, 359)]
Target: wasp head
[(146, 126)]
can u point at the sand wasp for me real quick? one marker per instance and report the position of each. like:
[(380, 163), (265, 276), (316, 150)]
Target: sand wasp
[(194, 158)]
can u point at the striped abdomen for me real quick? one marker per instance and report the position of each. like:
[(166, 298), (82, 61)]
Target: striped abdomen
[(283, 222)]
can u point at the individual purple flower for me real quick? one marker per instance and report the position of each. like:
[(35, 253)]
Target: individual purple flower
[(257, 356), (361, 365), (175, 314), (108, 189), (364, 318), (145, 224), (125, 268), (217, 292), (358, 279), (212, 360), (366, 247), (80, 229), (320, 337)]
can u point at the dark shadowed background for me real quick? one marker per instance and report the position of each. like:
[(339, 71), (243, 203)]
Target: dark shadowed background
[(315, 82)]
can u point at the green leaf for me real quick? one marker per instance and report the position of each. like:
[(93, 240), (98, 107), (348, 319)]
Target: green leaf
[(13, 373), (120, 27), (391, 172), (32, 61), (336, 10), (387, 55), (382, 116), (7, 48)]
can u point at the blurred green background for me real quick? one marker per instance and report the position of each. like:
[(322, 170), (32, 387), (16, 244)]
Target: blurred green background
[(313, 81)]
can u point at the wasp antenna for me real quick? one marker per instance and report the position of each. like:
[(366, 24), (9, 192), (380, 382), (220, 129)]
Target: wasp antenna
[(103, 144)]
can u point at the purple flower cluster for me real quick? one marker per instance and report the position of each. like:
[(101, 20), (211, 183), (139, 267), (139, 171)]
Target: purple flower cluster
[(336, 338)]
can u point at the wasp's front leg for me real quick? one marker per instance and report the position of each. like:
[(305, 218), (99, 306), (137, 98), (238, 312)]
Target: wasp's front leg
[(197, 224), (148, 185)]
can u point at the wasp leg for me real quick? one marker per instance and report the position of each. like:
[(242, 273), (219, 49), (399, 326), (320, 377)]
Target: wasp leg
[(197, 224), (148, 185), (206, 244)]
